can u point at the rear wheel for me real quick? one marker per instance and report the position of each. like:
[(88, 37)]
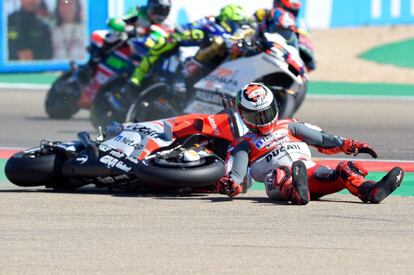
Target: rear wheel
[(32, 168), (151, 105), (103, 110), (287, 106), (62, 97)]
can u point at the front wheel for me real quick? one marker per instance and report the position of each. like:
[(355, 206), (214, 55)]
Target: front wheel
[(32, 168), (110, 103), (62, 97), (151, 105)]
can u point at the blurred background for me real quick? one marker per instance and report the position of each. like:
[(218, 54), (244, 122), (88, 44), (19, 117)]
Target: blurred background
[(59, 32), (363, 49), (353, 39)]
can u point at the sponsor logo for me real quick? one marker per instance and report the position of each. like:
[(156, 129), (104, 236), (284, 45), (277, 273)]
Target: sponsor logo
[(133, 160), (223, 72), (113, 162), (261, 142), (122, 166), (125, 140), (277, 142), (116, 154), (270, 141), (148, 131), (223, 80), (104, 148), (82, 159), (213, 125), (282, 149), (130, 142), (109, 161), (209, 97)]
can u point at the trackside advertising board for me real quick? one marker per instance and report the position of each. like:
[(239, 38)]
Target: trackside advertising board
[(317, 13), (41, 35)]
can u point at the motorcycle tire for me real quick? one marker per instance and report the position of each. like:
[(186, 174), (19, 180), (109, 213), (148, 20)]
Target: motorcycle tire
[(102, 112), (29, 170), (287, 106), (144, 108), (62, 97), (153, 175), (300, 98)]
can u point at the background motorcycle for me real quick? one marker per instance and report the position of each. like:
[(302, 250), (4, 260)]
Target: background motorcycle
[(272, 62), (76, 88), (184, 151), (112, 103)]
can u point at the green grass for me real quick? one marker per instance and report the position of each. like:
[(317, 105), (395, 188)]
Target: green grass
[(360, 89), (398, 54), (30, 78), (2, 175)]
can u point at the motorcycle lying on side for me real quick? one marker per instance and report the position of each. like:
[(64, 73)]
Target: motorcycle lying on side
[(112, 101), (270, 61), (180, 152)]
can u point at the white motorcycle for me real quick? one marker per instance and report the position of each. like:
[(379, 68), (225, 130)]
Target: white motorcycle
[(272, 62)]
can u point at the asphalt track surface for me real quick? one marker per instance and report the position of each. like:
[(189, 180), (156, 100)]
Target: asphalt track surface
[(93, 231)]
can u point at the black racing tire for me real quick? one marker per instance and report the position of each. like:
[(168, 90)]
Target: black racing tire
[(102, 113), (287, 107), (62, 97), (28, 170), (144, 109), (300, 98), (152, 175)]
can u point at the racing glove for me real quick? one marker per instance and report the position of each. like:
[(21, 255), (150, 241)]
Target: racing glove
[(116, 24), (350, 146), (227, 186)]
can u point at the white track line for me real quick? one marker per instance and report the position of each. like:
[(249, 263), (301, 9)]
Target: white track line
[(24, 86), (372, 97), (368, 160)]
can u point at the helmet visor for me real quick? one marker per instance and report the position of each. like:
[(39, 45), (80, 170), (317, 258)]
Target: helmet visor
[(158, 14), (260, 118)]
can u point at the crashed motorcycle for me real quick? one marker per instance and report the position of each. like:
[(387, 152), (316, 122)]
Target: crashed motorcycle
[(270, 61), (180, 152)]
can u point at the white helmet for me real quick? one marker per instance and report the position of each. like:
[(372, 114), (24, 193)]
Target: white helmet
[(258, 108)]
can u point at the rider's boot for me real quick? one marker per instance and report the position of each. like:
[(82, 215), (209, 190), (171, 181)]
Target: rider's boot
[(353, 174), (293, 182)]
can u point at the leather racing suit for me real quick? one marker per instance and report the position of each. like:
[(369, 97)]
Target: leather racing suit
[(258, 157), (133, 24), (207, 33)]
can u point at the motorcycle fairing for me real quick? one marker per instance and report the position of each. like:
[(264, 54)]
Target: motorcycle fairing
[(228, 78), (139, 140)]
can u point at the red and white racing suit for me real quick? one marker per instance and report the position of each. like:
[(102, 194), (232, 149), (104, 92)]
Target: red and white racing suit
[(256, 157)]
